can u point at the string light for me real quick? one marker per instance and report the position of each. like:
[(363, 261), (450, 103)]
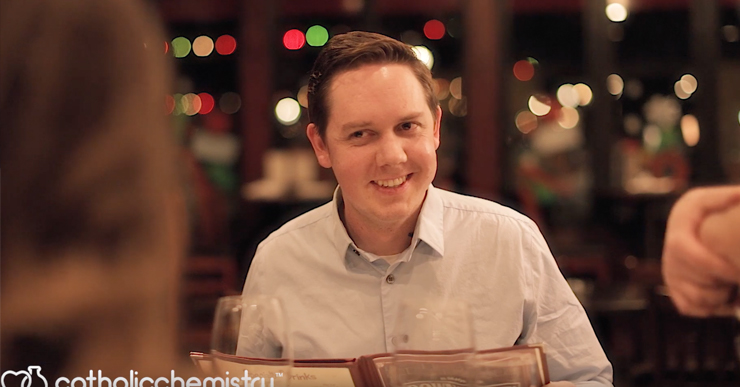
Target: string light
[(225, 45), (202, 46), (207, 103), (523, 70), (434, 29), (293, 39), (424, 55), (317, 36), (180, 47), (288, 111)]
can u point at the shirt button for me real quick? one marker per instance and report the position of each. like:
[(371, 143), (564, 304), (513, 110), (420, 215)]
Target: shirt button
[(390, 279)]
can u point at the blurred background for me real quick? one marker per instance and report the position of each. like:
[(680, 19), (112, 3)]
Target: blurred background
[(589, 116)]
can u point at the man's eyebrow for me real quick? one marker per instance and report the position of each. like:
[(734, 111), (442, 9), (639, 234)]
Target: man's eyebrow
[(355, 125), (411, 116)]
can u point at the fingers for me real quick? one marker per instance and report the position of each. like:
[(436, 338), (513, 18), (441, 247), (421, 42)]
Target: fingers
[(702, 301), (685, 257), (711, 199)]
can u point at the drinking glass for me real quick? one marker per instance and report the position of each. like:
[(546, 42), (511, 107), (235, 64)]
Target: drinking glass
[(433, 343), (251, 339)]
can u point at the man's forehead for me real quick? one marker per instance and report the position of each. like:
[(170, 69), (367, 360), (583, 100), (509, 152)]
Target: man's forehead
[(362, 73)]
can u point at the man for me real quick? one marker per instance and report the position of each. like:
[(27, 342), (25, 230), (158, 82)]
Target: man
[(389, 235), (701, 255)]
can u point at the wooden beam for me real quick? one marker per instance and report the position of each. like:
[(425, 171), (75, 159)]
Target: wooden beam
[(482, 85)]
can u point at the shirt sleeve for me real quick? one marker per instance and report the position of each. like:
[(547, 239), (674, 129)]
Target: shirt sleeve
[(554, 316)]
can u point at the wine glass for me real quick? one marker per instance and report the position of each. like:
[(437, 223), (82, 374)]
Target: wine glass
[(251, 338), (433, 343)]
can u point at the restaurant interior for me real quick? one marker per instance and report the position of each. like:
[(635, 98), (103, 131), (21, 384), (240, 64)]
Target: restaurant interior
[(589, 116)]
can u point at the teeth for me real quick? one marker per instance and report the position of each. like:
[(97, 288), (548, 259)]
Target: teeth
[(391, 183)]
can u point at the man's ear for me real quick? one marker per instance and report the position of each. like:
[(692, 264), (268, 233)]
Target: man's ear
[(437, 126), (319, 147)]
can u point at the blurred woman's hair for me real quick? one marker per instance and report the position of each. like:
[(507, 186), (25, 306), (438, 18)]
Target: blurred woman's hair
[(89, 232)]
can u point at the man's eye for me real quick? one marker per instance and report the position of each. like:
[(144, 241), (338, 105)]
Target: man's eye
[(408, 125), (357, 134)]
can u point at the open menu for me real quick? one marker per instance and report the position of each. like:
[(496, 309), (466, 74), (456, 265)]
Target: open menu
[(517, 366)]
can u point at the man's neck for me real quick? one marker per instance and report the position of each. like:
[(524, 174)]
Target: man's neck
[(380, 239)]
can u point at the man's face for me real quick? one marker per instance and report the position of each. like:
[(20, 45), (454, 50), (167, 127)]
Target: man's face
[(380, 141)]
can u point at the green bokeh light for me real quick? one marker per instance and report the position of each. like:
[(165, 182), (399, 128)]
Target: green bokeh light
[(180, 47), (317, 36)]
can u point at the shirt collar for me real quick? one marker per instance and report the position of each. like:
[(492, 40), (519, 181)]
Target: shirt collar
[(429, 226)]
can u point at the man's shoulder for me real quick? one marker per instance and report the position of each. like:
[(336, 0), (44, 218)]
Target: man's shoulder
[(461, 202), (302, 226)]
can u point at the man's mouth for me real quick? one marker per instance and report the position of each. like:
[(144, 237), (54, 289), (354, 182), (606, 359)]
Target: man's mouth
[(393, 182)]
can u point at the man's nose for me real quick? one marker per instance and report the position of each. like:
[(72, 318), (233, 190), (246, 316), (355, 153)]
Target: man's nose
[(391, 151)]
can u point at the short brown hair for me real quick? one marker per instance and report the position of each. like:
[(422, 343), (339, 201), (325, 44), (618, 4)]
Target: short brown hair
[(351, 50)]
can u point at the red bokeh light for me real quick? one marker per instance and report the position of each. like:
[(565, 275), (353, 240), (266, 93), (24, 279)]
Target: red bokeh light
[(225, 45), (294, 39), (169, 104), (166, 47), (523, 70), (207, 103), (434, 29)]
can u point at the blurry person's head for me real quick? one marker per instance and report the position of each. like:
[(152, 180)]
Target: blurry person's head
[(375, 122), (351, 50), (90, 238)]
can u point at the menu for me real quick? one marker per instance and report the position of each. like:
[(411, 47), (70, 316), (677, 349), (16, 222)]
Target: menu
[(517, 366)]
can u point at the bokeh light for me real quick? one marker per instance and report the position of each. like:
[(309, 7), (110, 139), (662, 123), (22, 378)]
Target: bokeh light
[(458, 107), (434, 29), (412, 38), (456, 88), (230, 103), (288, 111), (317, 36), (180, 47), (731, 33), (202, 46), (567, 95), (568, 118), (614, 84), (191, 104), (303, 96), (441, 88), (166, 47), (526, 121), (180, 104), (689, 83), (585, 95), (294, 39), (690, 129), (424, 55), (632, 124), (207, 103), (454, 27), (616, 12), (652, 136), (680, 92), (523, 70), (633, 88), (169, 104), (225, 45), (539, 105)]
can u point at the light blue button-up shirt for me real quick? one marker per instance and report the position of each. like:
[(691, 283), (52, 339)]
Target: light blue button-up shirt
[(341, 303)]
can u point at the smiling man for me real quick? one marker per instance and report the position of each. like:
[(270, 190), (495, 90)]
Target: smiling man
[(389, 234)]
